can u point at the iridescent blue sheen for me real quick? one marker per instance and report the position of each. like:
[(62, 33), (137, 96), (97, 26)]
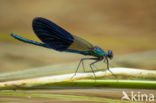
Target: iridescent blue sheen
[(55, 37), (28, 41)]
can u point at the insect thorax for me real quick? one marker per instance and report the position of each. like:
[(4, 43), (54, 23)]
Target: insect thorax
[(98, 52)]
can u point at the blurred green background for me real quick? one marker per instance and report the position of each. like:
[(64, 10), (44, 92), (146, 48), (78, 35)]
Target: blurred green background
[(126, 27)]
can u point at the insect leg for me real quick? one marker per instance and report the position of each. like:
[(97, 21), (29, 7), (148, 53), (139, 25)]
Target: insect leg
[(95, 67), (87, 59), (109, 69), (82, 64), (92, 67)]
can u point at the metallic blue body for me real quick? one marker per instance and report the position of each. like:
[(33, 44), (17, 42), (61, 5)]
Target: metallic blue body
[(55, 37), (29, 41), (44, 45), (98, 52), (78, 52)]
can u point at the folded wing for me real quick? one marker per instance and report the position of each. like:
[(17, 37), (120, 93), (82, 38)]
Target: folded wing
[(57, 38)]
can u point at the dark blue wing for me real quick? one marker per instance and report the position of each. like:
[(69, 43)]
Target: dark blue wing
[(51, 34), (57, 38)]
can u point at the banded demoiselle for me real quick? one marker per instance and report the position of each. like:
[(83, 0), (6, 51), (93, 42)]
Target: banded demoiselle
[(55, 37)]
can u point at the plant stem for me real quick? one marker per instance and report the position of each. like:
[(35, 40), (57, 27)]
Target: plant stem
[(68, 78)]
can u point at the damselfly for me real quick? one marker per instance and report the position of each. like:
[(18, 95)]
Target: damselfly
[(55, 37)]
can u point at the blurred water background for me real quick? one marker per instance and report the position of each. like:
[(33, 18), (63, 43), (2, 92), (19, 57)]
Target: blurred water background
[(126, 27)]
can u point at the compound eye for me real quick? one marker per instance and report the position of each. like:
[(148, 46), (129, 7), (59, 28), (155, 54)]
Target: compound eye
[(110, 54)]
